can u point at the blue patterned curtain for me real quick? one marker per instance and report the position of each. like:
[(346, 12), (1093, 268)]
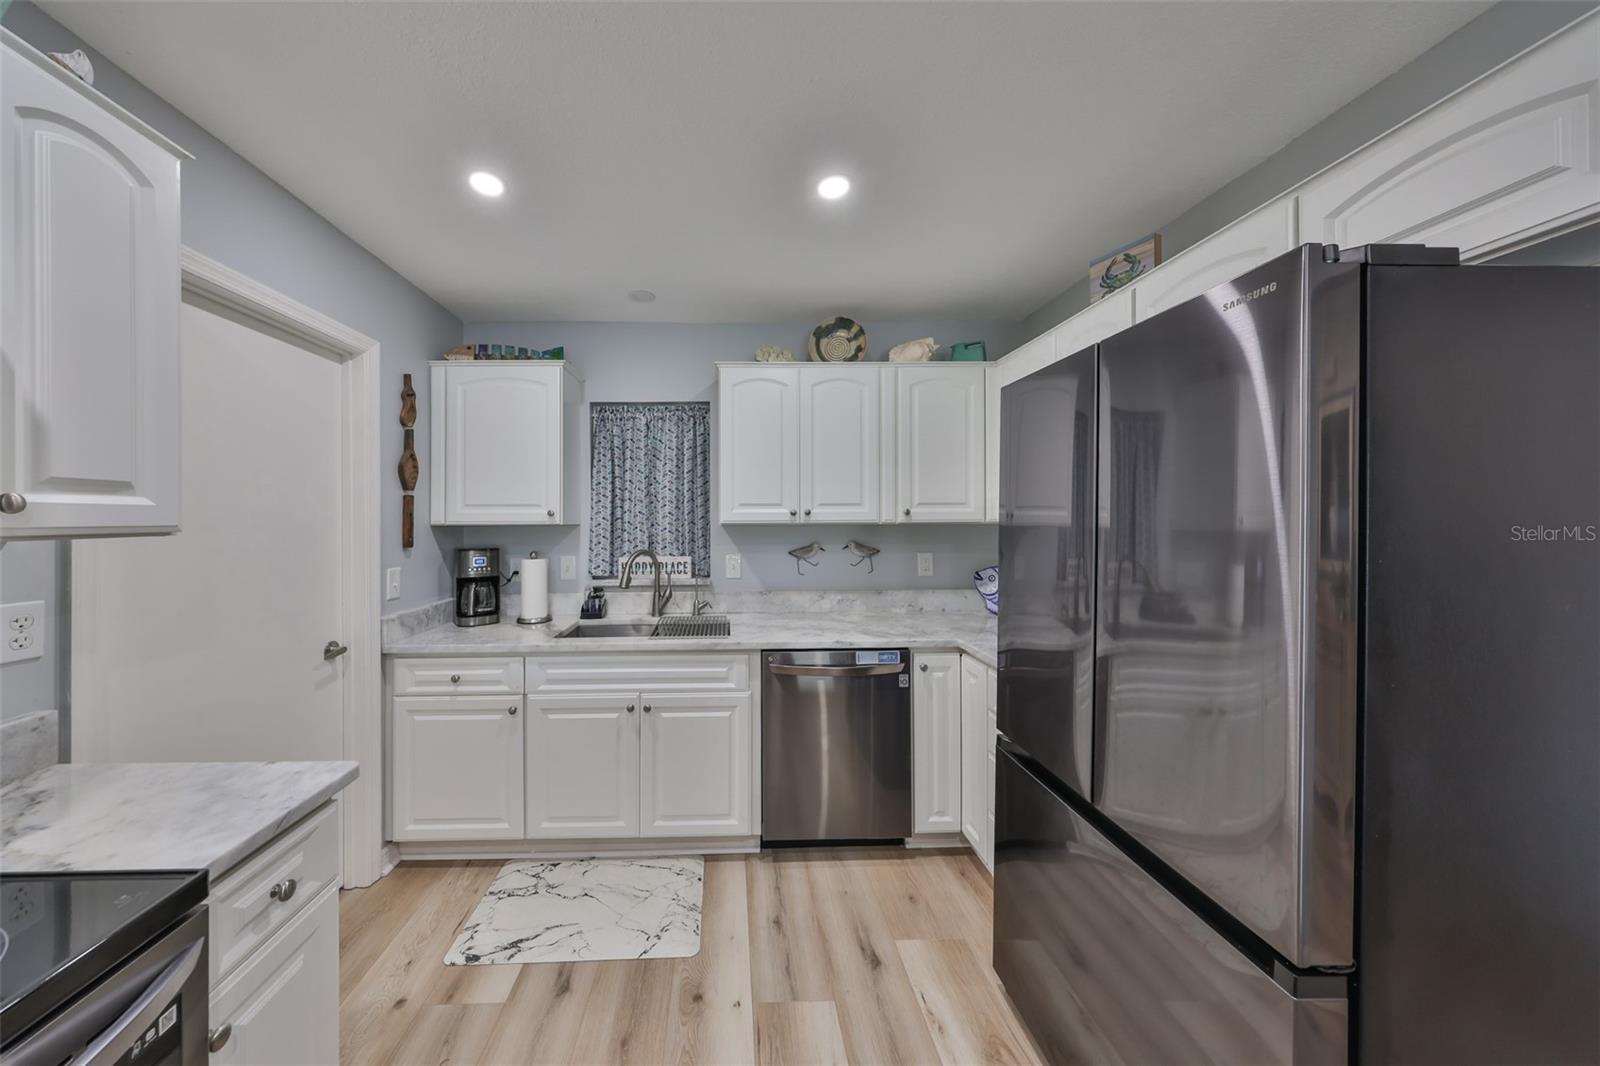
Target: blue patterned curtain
[(649, 483)]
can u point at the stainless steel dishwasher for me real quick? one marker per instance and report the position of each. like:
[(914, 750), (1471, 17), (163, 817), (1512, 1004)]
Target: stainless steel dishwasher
[(836, 745)]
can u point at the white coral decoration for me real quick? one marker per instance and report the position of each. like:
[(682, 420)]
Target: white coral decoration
[(917, 351), (76, 62), (771, 353)]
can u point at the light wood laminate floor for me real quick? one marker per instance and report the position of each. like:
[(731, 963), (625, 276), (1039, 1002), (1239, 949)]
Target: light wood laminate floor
[(867, 956)]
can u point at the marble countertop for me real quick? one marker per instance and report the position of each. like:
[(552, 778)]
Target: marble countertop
[(971, 632), (88, 817)]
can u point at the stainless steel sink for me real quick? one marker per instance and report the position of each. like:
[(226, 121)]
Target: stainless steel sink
[(672, 625), (609, 629)]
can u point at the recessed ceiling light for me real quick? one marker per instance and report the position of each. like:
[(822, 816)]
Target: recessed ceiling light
[(641, 296), (833, 187), (485, 184)]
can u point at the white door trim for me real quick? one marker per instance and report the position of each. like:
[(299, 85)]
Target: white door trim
[(361, 806)]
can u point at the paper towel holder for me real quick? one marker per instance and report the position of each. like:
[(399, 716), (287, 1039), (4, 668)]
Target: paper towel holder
[(521, 567)]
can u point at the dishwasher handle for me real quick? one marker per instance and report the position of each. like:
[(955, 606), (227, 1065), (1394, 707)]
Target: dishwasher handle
[(874, 670)]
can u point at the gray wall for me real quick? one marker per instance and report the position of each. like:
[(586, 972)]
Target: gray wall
[(1481, 45), (235, 214), (622, 362)]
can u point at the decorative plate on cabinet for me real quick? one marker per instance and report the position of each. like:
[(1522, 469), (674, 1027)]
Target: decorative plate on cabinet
[(838, 340)]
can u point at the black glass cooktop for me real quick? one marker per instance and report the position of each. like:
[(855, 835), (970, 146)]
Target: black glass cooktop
[(60, 933)]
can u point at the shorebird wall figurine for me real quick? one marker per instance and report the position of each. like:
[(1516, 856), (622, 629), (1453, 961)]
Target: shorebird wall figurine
[(862, 552), (806, 554)]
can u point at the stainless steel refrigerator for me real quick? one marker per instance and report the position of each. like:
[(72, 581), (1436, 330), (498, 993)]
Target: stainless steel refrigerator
[(1300, 673)]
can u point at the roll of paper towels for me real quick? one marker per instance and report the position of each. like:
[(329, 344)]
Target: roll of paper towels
[(535, 573)]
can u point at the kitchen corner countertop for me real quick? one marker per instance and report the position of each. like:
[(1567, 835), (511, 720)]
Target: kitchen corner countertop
[(972, 632), (90, 817)]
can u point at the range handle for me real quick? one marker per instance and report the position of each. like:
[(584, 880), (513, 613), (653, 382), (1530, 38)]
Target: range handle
[(1098, 729), (875, 670)]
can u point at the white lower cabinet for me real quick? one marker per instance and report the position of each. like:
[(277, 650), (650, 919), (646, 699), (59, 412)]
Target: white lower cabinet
[(936, 742), (281, 1008), (974, 763), (694, 768), (457, 768), (583, 765)]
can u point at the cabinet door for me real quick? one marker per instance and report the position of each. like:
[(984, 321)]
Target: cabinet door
[(1257, 237), (936, 742), (502, 445), (1514, 156), (940, 443), (839, 448), (281, 1007), (694, 765), (89, 278), (457, 768), (974, 754), (758, 446), (583, 766)]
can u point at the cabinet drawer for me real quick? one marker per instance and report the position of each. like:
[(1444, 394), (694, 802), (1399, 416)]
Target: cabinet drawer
[(668, 672), (255, 899), (459, 677)]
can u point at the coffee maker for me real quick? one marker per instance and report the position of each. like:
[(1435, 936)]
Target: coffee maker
[(477, 586)]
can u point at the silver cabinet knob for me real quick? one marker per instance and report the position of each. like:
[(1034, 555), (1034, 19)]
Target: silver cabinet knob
[(630, 708), (283, 891), (551, 513), (512, 709), (792, 512), (455, 679), (923, 668), (217, 1039), (647, 708), (332, 650), (908, 512), (808, 512), (13, 503)]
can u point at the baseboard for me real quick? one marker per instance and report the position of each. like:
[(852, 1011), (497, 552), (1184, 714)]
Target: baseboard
[(441, 851), (937, 840)]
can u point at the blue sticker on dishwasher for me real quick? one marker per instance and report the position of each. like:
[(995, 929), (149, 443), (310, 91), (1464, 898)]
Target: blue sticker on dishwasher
[(876, 658)]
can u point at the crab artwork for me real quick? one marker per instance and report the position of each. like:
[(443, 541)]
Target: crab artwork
[(1121, 270)]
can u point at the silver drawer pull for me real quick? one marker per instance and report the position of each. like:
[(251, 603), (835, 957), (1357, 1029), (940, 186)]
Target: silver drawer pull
[(13, 503), (455, 679), (218, 1038), (283, 891)]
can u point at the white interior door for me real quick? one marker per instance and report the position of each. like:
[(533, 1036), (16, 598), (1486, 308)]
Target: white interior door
[(208, 644)]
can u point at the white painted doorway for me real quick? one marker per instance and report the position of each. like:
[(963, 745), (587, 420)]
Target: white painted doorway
[(211, 644)]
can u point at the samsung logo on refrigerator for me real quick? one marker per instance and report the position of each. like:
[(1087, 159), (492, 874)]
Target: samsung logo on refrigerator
[(1254, 294)]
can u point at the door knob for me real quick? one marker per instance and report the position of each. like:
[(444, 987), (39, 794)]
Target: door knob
[(13, 503), (333, 649), (217, 1039)]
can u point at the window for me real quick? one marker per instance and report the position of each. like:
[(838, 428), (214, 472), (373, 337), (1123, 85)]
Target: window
[(649, 483)]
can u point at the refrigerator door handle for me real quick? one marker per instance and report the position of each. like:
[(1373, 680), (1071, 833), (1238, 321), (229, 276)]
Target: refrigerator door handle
[(1098, 729)]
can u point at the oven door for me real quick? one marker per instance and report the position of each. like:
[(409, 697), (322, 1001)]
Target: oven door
[(150, 1011)]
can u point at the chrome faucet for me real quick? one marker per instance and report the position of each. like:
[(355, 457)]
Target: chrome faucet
[(659, 597), (700, 605)]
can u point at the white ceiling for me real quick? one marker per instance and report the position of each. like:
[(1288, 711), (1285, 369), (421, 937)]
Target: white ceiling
[(995, 148)]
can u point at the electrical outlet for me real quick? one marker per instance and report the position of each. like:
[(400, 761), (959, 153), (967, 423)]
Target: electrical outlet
[(924, 564), (391, 583), (733, 566), (569, 568), (23, 632)]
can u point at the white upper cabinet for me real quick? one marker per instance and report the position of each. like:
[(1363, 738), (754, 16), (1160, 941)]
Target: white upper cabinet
[(1038, 486), (940, 442), (1257, 237), (758, 443), (501, 435), (89, 278), (840, 455), (1514, 156)]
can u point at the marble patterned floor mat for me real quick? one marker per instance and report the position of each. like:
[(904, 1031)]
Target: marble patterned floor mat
[(581, 910)]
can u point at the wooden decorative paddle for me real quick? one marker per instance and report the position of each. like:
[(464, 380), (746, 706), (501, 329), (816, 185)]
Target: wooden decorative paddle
[(408, 462), (408, 404), (407, 520)]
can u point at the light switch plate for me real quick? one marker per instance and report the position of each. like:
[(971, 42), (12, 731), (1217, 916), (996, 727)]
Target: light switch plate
[(733, 566), (569, 567), (391, 583), (924, 564), (22, 634)]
